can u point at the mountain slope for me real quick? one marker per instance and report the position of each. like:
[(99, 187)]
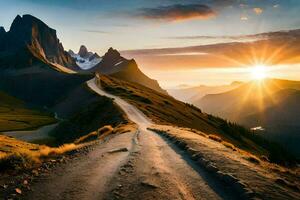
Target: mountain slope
[(115, 65), (272, 104), (281, 120)]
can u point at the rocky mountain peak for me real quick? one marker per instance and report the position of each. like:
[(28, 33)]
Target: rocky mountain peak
[(112, 53), (83, 51), (111, 56)]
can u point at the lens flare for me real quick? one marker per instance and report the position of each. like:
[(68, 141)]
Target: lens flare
[(259, 72)]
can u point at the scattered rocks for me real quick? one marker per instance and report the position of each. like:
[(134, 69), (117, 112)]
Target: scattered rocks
[(124, 149)]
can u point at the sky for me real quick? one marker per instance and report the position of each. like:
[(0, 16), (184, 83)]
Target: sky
[(169, 24)]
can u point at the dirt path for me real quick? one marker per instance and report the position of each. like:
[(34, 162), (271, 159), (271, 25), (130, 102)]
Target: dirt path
[(151, 169)]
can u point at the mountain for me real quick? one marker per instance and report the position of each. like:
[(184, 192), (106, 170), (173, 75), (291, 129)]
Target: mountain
[(194, 94), (272, 104), (114, 64), (33, 64), (30, 40), (84, 58)]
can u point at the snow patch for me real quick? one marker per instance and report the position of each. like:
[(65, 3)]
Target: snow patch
[(118, 63), (85, 63)]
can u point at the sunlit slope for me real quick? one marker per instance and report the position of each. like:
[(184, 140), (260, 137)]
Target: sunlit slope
[(164, 109)]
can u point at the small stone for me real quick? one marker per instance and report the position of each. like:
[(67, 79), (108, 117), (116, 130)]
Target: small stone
[(18, 190), (25, 182), (124, 149), (147, 184)]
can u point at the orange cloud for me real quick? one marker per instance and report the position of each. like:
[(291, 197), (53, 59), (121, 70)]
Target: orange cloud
[(282, 47), (178, 12)]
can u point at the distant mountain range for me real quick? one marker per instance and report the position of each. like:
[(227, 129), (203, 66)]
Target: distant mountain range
[(194, 94), (271, 103)]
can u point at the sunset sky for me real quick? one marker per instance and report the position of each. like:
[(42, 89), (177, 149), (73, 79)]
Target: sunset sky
[(145, 26)]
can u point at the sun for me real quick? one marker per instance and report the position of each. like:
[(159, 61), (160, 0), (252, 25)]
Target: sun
[(259, 72)]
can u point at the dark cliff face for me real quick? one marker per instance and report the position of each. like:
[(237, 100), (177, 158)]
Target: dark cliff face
[(2, 32), (2, 35), (28, 32)]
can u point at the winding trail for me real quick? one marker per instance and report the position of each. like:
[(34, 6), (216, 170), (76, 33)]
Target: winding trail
[(151, 169)]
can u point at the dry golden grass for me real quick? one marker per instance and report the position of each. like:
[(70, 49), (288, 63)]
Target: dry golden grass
[(228, 145), (16, 154), (253, 159), (124, 128), (99, 134), (215, 138)]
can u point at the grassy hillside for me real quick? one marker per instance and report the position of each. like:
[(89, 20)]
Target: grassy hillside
[(15, 115), (164, 109), (85, 111)]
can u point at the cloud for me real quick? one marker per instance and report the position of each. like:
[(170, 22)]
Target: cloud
[(258, 11), (281, 47), (96, 31), (177, 12)]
